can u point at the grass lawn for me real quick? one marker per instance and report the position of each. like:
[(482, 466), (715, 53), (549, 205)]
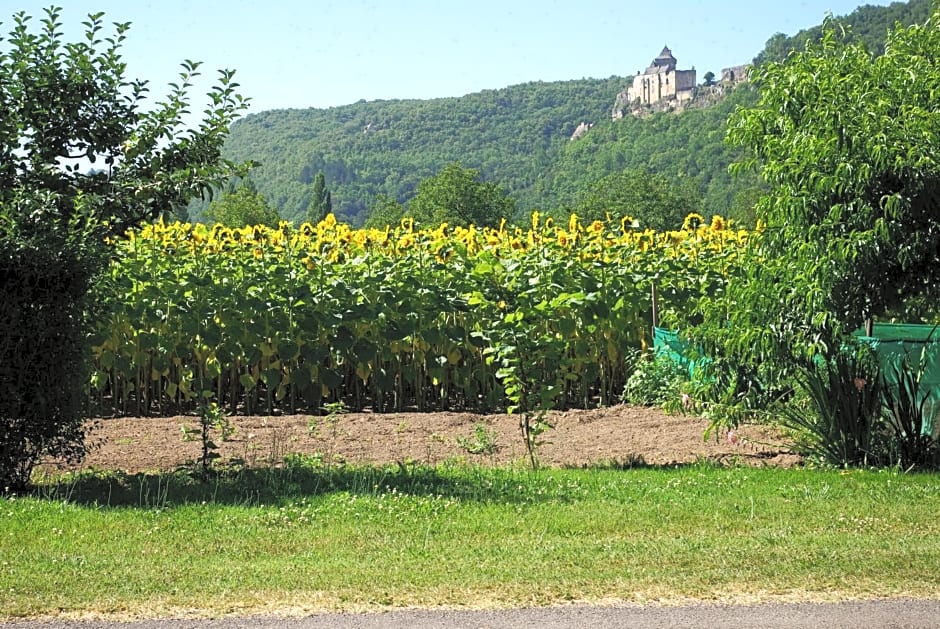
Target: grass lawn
[(308, 538)]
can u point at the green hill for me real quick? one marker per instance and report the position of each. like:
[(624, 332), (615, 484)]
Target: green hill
[(687, 145), (868, 24), (518, 137), (386, 147)]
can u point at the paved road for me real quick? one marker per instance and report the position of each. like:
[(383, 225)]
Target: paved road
[(850, 615)]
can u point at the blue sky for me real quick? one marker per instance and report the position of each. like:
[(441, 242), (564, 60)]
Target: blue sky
[(323, 53)]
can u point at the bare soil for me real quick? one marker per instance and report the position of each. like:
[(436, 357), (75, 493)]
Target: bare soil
[(616, 436)]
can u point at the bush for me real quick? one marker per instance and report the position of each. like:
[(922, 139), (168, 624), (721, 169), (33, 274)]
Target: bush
[(908, 418), (837, 420), (44, 276), (656, 381)]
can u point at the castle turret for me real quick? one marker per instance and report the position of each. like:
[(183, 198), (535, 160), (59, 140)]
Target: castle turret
[(661, 82), (664, 60)]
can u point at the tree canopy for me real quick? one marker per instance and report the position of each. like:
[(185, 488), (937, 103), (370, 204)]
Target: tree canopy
[(240, 207), (458, 196), (867, 25), (655, 201), (387, 147), (65, 107), (849, 146), (321, 202)]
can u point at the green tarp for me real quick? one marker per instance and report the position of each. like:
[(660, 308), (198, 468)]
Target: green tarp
[(892, 342)]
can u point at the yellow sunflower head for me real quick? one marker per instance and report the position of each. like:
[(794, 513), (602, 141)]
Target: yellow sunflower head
[(693, 221)]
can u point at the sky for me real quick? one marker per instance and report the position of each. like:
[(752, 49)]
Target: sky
[(325, 53)]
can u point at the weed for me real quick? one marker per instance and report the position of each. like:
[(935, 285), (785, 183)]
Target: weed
[(483, 440), (188, 434), (331, 420), (223, 424), (210, 416), (655, 381)]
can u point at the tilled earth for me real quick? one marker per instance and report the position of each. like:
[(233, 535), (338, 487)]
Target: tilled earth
[(615, 436)]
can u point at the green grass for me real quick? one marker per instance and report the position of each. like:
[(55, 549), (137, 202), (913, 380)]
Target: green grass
[(309, 538)]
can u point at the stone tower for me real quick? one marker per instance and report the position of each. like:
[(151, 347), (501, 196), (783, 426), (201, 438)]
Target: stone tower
[(661, 82)]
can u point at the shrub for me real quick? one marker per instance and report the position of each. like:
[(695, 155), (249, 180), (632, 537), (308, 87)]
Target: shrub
[(908, 417), (44, 274), (656, 381), (838, 418)]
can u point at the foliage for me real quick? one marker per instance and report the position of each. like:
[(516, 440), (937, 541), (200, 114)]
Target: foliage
[(684, 380), (388, 147), (63, 105), (688, 149), (483, 440), (210, 416), (241, 207), (911, 411), (656, 380), (655, 201), (728, 395), (321, 201), (79, 96), (456, 196), (838, 421), (856, 414), (44, 274), (297, 317), (848, 146), (868, 25), (385, 212)]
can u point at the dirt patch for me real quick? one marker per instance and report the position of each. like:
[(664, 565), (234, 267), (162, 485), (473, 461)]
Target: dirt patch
[(619, 435)]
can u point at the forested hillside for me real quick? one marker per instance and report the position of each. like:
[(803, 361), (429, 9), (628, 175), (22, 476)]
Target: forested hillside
[(867, 24), (685, 146), (386, 147), (518, 137)]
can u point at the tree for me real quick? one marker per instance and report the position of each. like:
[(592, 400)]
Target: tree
[(745, 200), (776, 49), (385, 212), (654, 200), (850, 149), (868, 25), (322, 202), (244, 206), (709, 78), (62, 106), (457, 196)]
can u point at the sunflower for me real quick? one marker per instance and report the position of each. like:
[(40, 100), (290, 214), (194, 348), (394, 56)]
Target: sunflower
[(693, 221)]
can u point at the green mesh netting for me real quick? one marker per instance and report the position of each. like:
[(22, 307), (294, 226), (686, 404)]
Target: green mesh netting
[(892, 342), (667, 343)]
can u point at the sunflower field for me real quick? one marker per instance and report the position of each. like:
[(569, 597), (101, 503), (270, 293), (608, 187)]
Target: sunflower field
[(262, 320)]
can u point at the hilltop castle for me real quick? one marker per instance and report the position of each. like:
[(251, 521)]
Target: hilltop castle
[(663, 86), (662, 81)]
